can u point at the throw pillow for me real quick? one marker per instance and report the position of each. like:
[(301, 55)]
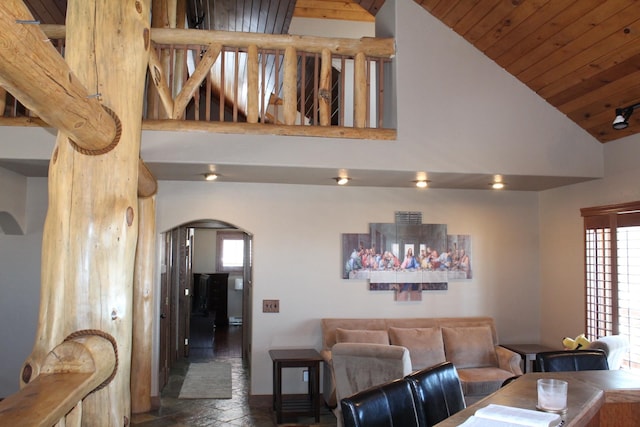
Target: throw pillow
[(362, 336), (469, 347), (425, 345)]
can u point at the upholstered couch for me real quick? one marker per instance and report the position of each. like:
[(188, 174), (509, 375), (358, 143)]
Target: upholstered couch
[(470, 343)]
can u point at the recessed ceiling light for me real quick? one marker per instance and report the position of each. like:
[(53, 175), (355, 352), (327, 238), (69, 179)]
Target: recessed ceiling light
[(342, 180), (421, 183), (497, 185), (210, 176)]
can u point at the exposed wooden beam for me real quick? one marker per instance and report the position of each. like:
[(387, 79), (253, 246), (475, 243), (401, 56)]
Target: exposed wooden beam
[(35, 73), (271, 129), (332, 9)]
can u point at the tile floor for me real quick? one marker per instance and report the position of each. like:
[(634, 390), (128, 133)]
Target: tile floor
[(217, 412)]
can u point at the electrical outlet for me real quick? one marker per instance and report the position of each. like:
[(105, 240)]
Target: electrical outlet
[(305, 375), (271, 306)]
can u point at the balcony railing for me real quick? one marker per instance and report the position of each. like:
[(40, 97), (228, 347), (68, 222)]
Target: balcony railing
[(230, 82)]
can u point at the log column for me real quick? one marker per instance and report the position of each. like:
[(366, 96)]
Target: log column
[(91, 228), (143, 307)]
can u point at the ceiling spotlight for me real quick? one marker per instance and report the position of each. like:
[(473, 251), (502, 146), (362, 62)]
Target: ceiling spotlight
[(421, 183), (342, 180), (210, 176), (497, 185), (622, 116)]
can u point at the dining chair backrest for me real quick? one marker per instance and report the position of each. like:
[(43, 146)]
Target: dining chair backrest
[(386, 405), (571, 360), (437, 391)]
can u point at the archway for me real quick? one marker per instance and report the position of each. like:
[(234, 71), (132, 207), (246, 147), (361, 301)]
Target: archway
[(205, 303)]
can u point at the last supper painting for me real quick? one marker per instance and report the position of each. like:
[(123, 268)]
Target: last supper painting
[(407, 258)]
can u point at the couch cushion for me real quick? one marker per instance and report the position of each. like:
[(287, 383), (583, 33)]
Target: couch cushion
[(425, 345), (482, 381), (469, 347), (361, 336)]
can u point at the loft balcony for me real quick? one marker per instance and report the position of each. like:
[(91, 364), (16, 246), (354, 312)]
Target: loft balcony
[(232, 82)]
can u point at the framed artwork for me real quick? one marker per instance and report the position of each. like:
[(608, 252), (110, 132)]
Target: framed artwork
[(406, 258)]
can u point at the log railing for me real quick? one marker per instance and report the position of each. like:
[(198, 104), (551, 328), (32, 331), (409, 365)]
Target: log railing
[(86, 361), (230, 82)]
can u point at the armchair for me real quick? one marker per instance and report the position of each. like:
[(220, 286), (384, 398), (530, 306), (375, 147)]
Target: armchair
[(359, 366)]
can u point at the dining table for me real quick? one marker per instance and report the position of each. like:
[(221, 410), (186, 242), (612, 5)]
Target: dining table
[(594, 398)]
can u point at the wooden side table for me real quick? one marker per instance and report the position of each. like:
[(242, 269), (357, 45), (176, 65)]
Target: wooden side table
[(296, 358), (528, 353)]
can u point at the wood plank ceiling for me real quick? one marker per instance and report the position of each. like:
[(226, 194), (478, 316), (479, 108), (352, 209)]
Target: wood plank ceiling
[(583, 57)]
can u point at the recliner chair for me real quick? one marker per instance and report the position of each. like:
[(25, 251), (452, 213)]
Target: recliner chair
[(387, 405), (571, 360), (438, 393)]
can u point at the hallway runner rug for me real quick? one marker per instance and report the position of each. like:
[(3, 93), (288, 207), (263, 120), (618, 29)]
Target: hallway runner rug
[(211, 380)]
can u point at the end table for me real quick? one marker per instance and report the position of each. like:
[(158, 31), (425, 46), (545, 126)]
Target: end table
[(296, 358), (528, 353)]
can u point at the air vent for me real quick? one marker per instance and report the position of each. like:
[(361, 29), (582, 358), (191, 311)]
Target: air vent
[(409, 218)]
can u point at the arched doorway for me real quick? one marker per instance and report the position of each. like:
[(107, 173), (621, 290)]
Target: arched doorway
[(205, 296)]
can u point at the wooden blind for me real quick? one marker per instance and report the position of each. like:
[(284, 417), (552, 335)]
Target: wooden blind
[(612, 273)]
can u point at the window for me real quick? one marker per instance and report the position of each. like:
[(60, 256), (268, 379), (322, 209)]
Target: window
[(230, 251), (612, 274)]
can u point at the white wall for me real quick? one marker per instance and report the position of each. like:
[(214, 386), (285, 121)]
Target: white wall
[(13, 200), (20, 288), (562, 296), (204, 251), (297, 255)]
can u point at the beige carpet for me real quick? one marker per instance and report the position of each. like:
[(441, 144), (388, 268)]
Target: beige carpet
[(211, 380)]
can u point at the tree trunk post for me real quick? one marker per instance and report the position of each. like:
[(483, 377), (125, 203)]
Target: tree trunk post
[(91, 228)]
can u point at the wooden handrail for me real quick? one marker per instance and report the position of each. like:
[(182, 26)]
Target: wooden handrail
[(69, 373), (370, 46)]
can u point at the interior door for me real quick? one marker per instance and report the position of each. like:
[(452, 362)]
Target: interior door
[(165, 319), (247, 298), (185, 289)]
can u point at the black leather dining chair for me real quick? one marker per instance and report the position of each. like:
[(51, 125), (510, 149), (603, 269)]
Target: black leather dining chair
[(571, 360), (387, 405), (509, 380), (437, 392)]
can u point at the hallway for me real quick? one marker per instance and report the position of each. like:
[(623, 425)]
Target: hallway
[(225, 346)]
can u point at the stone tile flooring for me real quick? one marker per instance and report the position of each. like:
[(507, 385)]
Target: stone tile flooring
[(217, 412)]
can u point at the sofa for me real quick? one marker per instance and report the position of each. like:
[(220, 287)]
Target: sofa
[(470, 343)]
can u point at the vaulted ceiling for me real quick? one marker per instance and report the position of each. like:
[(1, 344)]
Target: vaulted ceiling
[(583, 57)]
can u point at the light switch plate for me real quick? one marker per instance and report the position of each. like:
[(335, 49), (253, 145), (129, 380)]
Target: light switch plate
[(271, 306)]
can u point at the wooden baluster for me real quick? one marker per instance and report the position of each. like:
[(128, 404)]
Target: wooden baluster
[(290, 85), (325, 88), (252, 84), (3, 100), (236, 83), (360, 91)]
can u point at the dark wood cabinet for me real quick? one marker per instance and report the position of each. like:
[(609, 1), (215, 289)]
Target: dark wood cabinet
[(210, 296)]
